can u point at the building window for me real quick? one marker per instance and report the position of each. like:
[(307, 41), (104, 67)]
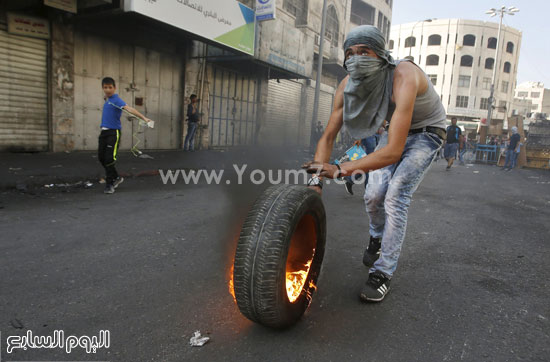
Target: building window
[(433, 78), (462, 101), (385, 27), (492, 43), (410, 42), (331, 31), (523, 94), (510, 47), (464, 81), (466, 61), (432, 60), (362, 13), (380, 20), (489, 63), (391, 44), (504, 86), (507, 67), (434, 39), (469, 40), (298, 8), (486, 83), (535, 94), (502, 106), (484, 104)]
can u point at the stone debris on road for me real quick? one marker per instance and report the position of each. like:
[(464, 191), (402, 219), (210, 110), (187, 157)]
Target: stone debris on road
[(197, 340)]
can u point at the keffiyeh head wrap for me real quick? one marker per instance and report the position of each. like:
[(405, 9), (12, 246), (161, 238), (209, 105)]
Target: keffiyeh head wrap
[(368, 91)]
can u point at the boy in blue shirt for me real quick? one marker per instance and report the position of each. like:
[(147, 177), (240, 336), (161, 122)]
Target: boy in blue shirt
[(109, 138)]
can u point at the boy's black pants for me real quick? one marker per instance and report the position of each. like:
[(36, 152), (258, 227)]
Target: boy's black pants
[(109, 140)]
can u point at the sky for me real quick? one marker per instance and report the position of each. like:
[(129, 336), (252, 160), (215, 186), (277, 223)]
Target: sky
[(533, 20)]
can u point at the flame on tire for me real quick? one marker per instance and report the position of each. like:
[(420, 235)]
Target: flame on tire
[(295, 281), (231, 286)]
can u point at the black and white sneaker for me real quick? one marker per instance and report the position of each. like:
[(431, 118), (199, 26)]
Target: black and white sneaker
[(109, 189), (376, 287), (349, 187), (372, 252), (118, 181)]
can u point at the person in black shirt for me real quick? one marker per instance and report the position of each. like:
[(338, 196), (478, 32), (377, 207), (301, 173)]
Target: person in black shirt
[(453, 138), (192, 120), (513, 150)]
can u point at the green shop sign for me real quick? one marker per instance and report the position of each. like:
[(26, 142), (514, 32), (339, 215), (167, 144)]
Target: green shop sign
[(227, 22)]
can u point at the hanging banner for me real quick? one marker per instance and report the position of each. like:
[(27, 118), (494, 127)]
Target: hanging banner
[(265, 9), (227, 22)]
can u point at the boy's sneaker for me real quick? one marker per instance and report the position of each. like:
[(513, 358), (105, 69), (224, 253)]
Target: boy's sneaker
[(372, 252), (109, 189), (118, 181), (348, 185), (376, 287)]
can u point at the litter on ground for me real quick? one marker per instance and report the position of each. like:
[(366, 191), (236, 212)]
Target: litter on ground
[(197, 340)]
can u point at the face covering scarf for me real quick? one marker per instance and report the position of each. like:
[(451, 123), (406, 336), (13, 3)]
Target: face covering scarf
[(368, 92)]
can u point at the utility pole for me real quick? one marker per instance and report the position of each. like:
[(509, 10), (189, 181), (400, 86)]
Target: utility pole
[(319, 73), (494, 12)]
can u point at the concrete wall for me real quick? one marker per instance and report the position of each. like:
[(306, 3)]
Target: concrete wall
[(62, 88)]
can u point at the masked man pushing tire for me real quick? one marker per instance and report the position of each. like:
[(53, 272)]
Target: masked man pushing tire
[(379, 88)]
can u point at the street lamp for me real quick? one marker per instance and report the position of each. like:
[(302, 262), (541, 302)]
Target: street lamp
[(412, 30), (494, 12)]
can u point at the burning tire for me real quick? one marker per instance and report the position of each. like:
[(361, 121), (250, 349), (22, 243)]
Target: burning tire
[(279, 255)]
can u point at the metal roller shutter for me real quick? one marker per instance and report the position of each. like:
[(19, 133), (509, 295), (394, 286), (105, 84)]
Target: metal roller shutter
[(324, 111), (283, 113), (23, 93)]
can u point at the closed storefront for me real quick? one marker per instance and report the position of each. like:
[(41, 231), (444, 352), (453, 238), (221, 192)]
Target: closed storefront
[(233, 108), (282, 118), (23, 93), (147, 80), (326, 97)]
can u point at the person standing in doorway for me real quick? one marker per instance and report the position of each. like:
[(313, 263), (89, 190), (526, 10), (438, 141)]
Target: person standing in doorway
[(451, 147), (192, 121)]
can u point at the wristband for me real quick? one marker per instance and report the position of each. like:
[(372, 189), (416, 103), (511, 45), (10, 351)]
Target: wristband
[(315, 181), (339, 171)]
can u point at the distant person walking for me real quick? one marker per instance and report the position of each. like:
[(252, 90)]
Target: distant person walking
[(192, 121), (319, 129), (513, 150), (451, 147)]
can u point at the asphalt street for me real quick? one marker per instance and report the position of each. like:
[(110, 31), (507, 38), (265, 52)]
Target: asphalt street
[(151, 263)]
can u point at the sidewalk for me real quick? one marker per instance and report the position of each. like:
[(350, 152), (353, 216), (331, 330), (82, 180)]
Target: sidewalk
[(32, 170)]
